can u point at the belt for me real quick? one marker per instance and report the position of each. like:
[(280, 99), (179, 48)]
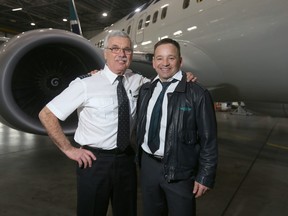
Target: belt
[(155, 157), (115, 151)]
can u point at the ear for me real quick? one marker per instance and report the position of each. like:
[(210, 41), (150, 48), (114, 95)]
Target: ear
[(105, 55), (153, 63), (181, 61)]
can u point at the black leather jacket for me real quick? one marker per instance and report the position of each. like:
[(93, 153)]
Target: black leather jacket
[(191, 137)]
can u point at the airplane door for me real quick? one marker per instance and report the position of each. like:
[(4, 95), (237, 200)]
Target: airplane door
[(139, 37)]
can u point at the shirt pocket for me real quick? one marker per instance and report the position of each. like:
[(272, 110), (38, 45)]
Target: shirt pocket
[(102, 103), (103, 108)]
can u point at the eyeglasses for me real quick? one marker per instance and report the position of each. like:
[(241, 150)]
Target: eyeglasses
[(117, 50)]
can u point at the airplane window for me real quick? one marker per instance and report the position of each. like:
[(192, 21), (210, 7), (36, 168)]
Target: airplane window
[(164, 12), (155, 15), (140, 24), (100, 43), (186, 4), (147, 21), (129, 29)]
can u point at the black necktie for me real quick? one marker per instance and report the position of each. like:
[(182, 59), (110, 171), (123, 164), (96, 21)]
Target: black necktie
[(154, 128), (123, 133)]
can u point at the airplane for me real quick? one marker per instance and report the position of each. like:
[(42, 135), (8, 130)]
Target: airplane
[(237, 49)]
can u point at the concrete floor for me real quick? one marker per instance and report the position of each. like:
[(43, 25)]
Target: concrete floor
[(37, 179)]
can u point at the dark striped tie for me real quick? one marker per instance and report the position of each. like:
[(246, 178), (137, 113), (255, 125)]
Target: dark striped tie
[(154, 128)]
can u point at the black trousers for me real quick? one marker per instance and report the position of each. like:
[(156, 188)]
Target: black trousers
[(112, 177), (160, 197)]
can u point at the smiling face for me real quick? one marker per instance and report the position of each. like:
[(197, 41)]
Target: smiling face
[(118, 62), (167, 61)]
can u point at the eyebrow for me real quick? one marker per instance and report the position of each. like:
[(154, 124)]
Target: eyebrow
[(174, 56), (116, 46)]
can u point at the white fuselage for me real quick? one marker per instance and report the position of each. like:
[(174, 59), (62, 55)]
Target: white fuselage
[(237, 48)]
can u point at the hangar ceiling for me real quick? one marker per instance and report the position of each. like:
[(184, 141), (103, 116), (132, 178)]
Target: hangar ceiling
[(49, 13)]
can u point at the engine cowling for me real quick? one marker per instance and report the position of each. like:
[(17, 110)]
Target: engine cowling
[(37, 65)]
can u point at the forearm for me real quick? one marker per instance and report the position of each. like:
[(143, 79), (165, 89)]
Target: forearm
[(55, 132), (54, 129)]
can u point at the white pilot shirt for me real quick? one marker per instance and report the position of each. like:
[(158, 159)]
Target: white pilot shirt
[(95, 98), (163, 123)]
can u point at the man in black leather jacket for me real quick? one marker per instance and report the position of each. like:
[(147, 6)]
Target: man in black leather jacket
[(177, 154)]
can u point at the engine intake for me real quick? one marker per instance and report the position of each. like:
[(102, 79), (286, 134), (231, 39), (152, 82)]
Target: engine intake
[(37, 65)]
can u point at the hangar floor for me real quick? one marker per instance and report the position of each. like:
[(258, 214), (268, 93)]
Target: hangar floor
[(252, 180)]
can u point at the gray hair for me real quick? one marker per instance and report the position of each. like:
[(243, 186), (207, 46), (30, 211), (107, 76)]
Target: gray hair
[(116, 33)]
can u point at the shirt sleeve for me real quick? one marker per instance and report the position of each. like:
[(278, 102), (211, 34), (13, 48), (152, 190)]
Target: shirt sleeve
[(69, 100), (145, 80)]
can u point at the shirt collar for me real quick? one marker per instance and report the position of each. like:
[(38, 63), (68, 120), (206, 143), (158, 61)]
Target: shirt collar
[(112, 76), (177, 76)]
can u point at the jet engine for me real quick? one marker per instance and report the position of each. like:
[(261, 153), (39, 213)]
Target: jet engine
[(37, 65)]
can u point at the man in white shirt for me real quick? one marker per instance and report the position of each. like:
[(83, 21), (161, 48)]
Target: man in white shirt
[(105, 172)]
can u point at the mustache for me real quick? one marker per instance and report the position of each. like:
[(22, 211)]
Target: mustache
[(121, 58)]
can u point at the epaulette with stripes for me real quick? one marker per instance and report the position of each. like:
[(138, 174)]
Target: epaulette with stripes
[(84, 76)]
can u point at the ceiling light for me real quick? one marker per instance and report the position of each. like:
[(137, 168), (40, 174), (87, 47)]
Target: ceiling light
[(192, 28), (163, 37), (146, 43), (32, 24), (177, 33), (65, 20), (104, 14), (16, 9)]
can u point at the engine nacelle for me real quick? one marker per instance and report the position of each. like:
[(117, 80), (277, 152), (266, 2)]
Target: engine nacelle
[(37, 65)]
